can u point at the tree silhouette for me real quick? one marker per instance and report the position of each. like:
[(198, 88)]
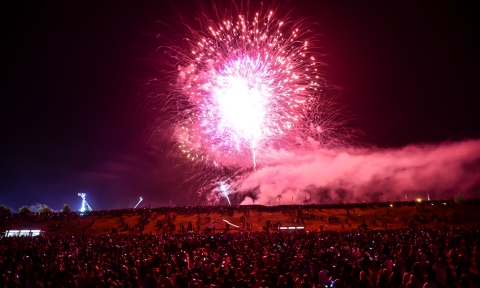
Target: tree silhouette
[(4, 210), (66, 208), (25, 210), (45, 209)]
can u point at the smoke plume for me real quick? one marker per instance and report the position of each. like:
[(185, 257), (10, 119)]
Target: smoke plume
[(437, 171)]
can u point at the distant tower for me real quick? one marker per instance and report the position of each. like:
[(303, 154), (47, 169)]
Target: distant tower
[(85, 205)]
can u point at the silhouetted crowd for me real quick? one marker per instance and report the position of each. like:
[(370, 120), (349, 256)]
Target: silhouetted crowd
[(409, 257)]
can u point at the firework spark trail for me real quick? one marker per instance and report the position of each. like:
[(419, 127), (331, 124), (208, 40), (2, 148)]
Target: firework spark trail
[(224, 190)]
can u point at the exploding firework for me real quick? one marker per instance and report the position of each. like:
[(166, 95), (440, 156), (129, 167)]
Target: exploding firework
[(247, 83), (244, 86)]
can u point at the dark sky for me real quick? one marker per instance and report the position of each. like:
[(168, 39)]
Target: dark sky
[(73, 119)]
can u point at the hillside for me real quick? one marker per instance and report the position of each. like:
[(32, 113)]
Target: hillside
[(372, 215)]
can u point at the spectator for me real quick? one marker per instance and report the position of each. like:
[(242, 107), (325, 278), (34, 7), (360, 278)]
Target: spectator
[(165, 281), (430, 282), (364, 282), (306, 282), (413, 282), (151, 280), (281, 282)]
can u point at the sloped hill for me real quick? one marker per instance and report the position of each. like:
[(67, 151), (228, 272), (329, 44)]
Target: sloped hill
[(146, 221)]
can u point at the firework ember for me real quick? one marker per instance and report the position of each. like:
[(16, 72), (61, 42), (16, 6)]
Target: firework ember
[(246, 83)]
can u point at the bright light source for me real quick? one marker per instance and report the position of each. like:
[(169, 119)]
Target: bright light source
[(224, 190), (291, 228), (85, 205), (141, 199), (25, 233), (419, 200)]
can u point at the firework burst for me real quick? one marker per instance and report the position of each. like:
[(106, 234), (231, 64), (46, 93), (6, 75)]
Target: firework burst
[(246, 83)]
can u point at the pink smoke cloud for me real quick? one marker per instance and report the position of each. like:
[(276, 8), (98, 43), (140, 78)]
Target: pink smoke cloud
[(355, 175)]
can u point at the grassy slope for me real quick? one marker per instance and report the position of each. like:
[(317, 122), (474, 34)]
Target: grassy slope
[(258, 219)]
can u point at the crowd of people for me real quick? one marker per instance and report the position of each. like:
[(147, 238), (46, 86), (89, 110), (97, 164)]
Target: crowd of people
[(356, 257), (408, 257)]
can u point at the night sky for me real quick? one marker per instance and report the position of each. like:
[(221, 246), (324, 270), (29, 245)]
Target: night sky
[(73, 118)]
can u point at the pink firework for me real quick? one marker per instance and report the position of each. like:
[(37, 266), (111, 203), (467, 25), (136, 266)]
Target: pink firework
[(246, 84)]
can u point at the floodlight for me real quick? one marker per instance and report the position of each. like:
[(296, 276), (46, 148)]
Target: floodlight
[(85, 205)]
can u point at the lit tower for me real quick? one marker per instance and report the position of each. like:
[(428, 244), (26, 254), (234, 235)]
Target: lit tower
[(85, 205)]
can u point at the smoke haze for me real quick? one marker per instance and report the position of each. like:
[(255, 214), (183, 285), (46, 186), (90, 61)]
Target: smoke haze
[(355, 175)]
